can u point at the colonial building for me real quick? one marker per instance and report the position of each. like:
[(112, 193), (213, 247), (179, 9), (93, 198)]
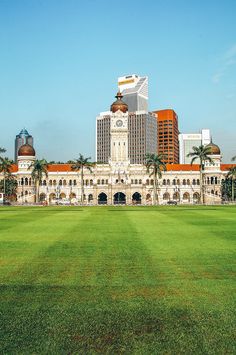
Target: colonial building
[(141, 133), (119, 181)]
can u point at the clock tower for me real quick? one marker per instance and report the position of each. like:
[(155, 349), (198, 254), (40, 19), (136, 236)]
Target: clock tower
[(119, 130)]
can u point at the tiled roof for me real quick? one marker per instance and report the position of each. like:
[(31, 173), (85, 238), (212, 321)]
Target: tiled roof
[(226, 167), (14, 168), (59, 167), (182, 167)]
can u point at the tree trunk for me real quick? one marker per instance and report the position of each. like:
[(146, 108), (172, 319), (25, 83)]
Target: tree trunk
[(202, 200), (232, 189), (82, 184), (37, 191), (155, 190), (4, 187)]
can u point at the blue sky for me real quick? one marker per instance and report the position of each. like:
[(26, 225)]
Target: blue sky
[(60, 59)]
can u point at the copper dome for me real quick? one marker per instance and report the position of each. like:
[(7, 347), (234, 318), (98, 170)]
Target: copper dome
[(119, 104), (26, 150), (213, 149)]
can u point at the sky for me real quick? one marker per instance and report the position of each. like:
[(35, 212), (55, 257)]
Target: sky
[(60, 60)]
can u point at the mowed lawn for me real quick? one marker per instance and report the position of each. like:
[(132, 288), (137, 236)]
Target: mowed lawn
[(143, 280)]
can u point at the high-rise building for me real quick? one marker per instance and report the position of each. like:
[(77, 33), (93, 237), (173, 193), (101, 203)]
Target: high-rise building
[(142, 138), (22, 138), (167, 135), (134, 89), (189, 140)]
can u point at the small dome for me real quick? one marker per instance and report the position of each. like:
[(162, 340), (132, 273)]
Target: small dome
[(119, 104), (26, 150), (213, 149)]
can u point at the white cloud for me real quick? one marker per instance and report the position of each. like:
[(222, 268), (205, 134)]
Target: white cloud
[(228, 59)]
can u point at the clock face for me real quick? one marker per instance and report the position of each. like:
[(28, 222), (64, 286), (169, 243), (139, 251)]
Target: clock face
[(119, 123)]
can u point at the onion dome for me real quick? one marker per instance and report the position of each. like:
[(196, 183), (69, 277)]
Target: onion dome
[(119, 104), (213, 149), (26, 150)]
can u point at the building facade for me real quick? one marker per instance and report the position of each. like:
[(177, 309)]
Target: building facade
[(134, 89), (22, 138), (189, 140), (142, 138), (167, 135), (119, 181)]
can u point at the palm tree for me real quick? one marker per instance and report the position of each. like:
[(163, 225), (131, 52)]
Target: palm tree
[(2, 150), (39, 168), (202, 153), (5, 168), (155, 167), (232, 176), (79, 165)]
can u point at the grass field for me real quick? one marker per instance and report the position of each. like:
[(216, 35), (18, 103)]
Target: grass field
[(143, 280)]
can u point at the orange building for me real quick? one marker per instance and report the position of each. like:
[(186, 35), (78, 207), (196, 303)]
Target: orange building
[(168, 135)]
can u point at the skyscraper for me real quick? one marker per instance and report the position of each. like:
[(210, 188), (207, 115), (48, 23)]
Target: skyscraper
[(142, 136), (22, 138), (189, 140), (167, 135), (135, 92)]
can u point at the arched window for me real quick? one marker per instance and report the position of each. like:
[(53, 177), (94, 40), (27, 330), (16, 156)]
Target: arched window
[(91, 182), (216, 180), (208, 180), (98, 182), (22, 181), (186, 197), (178, 181), (64, 182), (168, 182), (198, 182), (166, 196), (136, 181), (194, 182), (164, 182), (70, 182), (140, 181), (60, 182), (148, 197), (152, 181), (106, 181), (75, 183), (196, 197), (54, 182), (184, 182), (86, 182), (174, 182), (188, 182), (44, 183), (50, 182), (176, 196), (212, 180), (102, 182), (29, 181), (26, 181)]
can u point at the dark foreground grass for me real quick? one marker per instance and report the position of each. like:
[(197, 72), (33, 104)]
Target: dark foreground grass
[(117, 280)]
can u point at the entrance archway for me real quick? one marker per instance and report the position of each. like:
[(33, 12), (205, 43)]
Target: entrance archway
[(102, 199), (136, 198), (42, 197), (119, 198)]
